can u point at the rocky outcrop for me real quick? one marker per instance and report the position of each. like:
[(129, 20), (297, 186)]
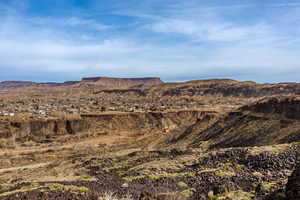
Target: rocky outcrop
[(288, 107), (293, 185)]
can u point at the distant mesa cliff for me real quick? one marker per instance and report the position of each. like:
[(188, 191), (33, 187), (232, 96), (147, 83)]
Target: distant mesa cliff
[(122, 82), (210, 87), (104, 82), (8, 85)]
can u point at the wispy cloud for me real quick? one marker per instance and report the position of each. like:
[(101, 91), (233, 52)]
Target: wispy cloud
[(176, 41), (204, 31), (74, 22), (286, 4)]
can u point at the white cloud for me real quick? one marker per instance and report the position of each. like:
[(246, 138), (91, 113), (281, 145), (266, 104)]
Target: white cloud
[(199, 30), (210, 23)]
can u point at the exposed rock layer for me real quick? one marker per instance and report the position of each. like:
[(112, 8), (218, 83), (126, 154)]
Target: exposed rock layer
[(121, 123)]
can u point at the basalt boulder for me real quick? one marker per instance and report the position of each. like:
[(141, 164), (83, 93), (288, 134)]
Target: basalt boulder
[(293, 185)]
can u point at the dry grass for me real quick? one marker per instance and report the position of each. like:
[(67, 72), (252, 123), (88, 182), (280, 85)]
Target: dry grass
[(65, 116), (274, 149), (113, 196)]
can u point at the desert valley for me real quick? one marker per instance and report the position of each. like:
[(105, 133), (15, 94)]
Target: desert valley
[(107, 138)]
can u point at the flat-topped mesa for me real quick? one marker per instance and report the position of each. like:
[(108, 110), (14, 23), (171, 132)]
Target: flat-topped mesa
[(122, 82)]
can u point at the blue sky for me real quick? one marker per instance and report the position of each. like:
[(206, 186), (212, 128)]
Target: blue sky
[(58, 40)]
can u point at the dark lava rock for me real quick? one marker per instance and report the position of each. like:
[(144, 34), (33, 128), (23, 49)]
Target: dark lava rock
[(148, 196), (53, 195), (293, 185)]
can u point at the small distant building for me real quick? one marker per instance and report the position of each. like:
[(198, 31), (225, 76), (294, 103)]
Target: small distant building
[(42, 112)]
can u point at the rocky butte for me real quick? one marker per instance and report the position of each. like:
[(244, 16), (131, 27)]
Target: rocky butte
[(122, 82)]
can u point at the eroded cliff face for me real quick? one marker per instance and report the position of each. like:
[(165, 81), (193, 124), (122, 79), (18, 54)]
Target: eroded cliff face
[(139, 123), (135, 124), (39, 130)]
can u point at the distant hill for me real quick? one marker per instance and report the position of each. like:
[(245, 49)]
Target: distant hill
[(92, 82), (153, 86), (226, 88), (9, 85)]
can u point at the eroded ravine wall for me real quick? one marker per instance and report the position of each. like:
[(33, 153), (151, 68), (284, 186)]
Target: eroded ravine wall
[(133, 123)]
